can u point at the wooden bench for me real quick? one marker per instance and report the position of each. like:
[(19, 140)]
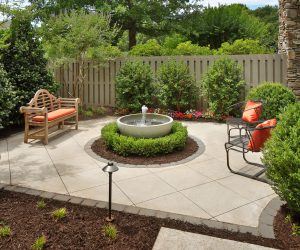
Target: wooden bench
[(45, 111)]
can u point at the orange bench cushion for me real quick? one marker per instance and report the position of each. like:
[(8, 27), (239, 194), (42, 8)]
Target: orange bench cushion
[(54, 114), (259, 137), (252, 111)]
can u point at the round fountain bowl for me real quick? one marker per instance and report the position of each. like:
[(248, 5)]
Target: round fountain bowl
[(154, 125)]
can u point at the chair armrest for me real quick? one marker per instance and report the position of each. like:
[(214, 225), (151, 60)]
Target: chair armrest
[(31, 110)]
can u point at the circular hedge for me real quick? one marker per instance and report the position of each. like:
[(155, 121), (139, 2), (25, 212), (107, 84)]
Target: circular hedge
[(275, 96), (127, 145)]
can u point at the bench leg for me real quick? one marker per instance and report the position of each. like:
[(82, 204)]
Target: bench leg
[(46, 131), (26, 132), (76, 121)]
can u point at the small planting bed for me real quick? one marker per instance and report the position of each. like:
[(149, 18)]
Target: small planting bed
[(80, 227)]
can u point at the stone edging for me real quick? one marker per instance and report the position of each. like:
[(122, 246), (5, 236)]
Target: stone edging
[(201, 149), (264, 229)]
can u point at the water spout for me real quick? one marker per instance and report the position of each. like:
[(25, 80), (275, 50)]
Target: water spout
[(144, 111)]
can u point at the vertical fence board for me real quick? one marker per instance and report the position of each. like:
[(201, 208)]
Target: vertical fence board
[(99, 84)]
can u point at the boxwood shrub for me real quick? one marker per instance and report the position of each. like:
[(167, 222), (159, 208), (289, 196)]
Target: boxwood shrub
[(282, 157), (275, 96), (127, 145)]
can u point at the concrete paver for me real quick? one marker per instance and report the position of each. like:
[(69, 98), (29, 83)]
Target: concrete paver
[(171, 239), (202, 187)]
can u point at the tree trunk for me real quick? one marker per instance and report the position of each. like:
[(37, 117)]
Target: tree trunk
[(132, 35)]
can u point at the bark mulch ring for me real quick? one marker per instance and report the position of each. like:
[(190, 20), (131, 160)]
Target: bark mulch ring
[(283, 230), (82, 227), (100, 149)]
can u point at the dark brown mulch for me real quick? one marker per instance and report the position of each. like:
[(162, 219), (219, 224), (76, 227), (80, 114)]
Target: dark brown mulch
[(10, 131), (81, 229), (283, 230), (100, 149)]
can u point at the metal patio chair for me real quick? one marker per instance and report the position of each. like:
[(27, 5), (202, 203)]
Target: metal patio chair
[(236, 123), (249, 140)]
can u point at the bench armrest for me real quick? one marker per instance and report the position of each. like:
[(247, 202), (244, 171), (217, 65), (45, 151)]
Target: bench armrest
[(68, 102), (31, 110)]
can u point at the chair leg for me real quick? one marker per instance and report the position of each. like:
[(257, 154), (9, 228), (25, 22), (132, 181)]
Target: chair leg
[(255, 176)]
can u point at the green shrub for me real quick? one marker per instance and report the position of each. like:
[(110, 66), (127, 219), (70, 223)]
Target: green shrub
[(222, 85), (150, 48), (59, 213), (127, 145), (243, 47), (7, 98), (24, 62), (173, 40), (187, 48), (275, 96), (5, 231), (134, 86), (110, 231), (39, 244), (176, 87), (282, 157)]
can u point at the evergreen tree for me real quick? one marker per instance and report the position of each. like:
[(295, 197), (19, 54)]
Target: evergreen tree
[(24, 61)]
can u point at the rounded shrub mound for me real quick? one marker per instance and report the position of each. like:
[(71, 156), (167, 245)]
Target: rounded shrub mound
[(282, 157), (222, 85), (134, 86), (177, 89), (127, 145), (275, 96)]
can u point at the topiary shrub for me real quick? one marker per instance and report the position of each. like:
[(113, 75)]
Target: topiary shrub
[(222, 86), (134, 86), (282, 157), (24, 62), (150, 48), (275, 96), (7, 98), (127, 145), (177, 89)]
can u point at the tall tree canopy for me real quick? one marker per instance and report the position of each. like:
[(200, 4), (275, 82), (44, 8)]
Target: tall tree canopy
[(152, 17), (225, 23)]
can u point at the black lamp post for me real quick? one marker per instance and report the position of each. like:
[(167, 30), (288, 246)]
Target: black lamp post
[(110, 168)]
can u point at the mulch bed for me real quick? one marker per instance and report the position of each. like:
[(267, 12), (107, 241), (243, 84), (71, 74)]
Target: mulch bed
[(283, 230), (81, 229), (100, 149)]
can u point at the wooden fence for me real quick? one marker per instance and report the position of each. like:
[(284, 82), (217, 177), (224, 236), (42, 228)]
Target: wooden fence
[(99, 83)]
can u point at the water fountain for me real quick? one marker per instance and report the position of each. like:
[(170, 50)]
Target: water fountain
[(145, 125)]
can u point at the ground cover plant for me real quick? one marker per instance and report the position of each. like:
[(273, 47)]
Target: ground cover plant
[(282, 157), (39, 243), (275, 96), (127, 145), (82, 228)]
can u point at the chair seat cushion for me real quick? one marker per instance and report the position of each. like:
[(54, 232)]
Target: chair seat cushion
[(252, 111), (259, 137), (54, 114)]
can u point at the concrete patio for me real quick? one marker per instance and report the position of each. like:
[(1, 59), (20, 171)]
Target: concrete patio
[(202, 187)]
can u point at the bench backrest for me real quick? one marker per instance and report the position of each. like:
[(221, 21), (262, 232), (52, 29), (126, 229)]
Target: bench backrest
[(43, 98)]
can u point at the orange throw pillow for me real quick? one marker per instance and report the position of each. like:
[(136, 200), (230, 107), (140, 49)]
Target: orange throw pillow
[(259, 137), (252, 111)]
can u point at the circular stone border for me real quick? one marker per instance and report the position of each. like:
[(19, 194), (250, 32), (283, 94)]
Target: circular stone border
[(200, 150)]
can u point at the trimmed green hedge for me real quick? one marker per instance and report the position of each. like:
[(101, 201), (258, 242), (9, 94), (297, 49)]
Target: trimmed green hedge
[(127, 145), (281, 155)]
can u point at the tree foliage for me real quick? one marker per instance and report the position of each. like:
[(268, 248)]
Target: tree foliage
[(24, 62), (225, 23), (148, 17)]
